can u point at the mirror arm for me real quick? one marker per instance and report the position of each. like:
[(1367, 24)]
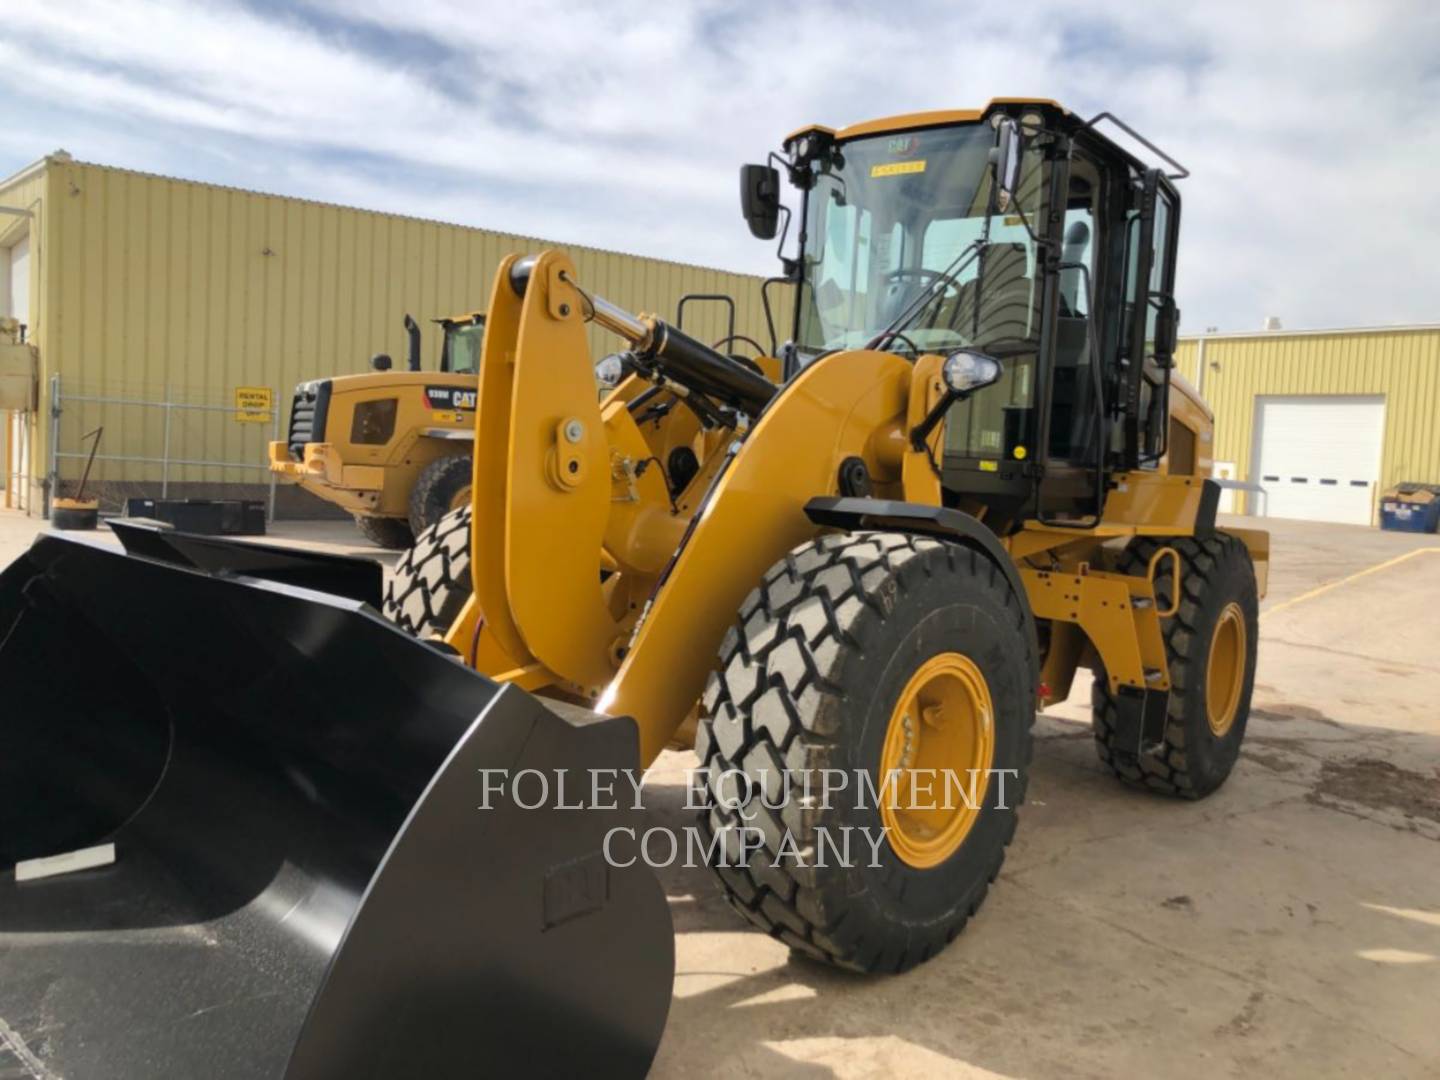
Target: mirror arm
[(791, 267), (921, 432)]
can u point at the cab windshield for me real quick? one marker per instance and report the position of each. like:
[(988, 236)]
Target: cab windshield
[(888, 215), (462, 348), (893, 216)]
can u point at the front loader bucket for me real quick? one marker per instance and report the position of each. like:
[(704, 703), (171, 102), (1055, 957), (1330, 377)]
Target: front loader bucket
[(312, 875)]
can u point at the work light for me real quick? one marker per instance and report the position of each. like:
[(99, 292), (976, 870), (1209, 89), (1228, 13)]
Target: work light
[(611, 370), (967, 370)]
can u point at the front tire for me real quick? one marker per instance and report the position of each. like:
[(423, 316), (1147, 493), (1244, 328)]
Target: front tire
[(814, 676), (431, 582), (1210, 644)]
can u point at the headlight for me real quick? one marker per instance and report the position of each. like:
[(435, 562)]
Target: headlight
[(610, 370), (967, 370)]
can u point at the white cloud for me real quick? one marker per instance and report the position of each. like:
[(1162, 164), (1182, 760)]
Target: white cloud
[(1307, 125)]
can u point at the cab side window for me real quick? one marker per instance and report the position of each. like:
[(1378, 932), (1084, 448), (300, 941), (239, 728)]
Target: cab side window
[(1073, 420), (1153, 374)]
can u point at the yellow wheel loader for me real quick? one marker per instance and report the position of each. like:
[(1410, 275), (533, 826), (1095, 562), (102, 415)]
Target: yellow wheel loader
[(390, 447), (273, 832)]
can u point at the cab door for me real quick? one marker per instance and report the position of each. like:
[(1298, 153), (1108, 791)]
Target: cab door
[(1150, 321)]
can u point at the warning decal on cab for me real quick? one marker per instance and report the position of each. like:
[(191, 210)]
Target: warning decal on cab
[(897, 168)]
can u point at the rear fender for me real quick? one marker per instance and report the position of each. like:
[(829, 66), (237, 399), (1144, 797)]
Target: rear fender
[(937, 521)]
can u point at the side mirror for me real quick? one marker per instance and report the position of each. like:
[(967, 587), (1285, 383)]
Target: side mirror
[(381, 362), (760, 199), (1167, 326), (1005, 158)]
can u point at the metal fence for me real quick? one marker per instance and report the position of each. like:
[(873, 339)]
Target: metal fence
[(19, 428), (165, 445)]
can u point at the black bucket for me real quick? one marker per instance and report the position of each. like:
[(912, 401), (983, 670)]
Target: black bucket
[(306, 880)]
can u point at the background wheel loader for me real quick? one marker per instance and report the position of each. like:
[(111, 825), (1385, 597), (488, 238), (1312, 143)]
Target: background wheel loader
[(396, 459), (391, 447), (977, 474)]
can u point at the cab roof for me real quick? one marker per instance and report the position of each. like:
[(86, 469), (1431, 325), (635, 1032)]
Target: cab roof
[(469, 318), (911, 121), (942, 117)]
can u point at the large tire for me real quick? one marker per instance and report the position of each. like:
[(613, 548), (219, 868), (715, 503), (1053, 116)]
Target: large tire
[(431, 582), (442, 487), (390, 533), (1218, 583), (811, 678)]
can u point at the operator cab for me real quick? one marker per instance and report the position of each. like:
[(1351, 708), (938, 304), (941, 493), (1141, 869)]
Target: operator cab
[(1017, 232), (460, 347), (463, 343)]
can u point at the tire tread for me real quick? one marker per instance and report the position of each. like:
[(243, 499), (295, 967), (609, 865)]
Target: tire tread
[(1167, 769), (774, 696), (431, 582)]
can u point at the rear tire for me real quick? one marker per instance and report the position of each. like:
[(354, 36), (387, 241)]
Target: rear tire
[(442, 487), (1198, 749), (391, 533), (812, 677), (431, 582)]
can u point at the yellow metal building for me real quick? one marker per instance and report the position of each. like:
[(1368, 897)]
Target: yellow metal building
[(149, 290), (146, 290), (1323, 421)]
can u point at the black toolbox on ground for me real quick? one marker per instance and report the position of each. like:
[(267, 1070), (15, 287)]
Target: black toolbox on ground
[(210, 517)]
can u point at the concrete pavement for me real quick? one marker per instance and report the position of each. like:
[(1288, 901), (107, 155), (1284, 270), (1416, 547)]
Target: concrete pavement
[(1288, 925)]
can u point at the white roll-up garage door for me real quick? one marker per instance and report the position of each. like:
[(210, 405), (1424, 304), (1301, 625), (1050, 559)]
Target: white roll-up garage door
[(17, 277), (1318, 457)]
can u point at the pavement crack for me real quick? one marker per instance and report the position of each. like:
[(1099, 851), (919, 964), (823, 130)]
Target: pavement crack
[(1140, 823), (1261, 986), (1349, 654), (1407, 827)]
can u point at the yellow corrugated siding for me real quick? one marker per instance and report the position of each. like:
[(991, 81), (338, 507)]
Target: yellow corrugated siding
[(1403, 365), (169, 284), (140, 283), (1186, 356)]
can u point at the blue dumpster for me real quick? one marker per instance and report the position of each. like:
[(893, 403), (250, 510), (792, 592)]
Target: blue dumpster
[(1411, 508)]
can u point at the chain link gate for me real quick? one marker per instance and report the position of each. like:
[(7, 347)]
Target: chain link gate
[(171, 445)]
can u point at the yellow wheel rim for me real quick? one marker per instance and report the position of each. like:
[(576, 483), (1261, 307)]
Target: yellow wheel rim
[(462, 498), (1226, 675), (941, 741)]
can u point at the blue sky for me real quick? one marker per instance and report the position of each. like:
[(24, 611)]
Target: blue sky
[(1310, 128)]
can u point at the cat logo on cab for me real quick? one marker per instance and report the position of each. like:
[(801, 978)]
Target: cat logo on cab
[(449, 398)]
